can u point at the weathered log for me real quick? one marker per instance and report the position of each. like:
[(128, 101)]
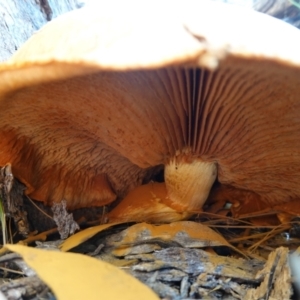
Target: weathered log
[(20, 19)]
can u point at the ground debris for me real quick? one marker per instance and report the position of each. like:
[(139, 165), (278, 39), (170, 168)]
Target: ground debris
[(177, 273), (195, 273), (19, 281), (196, 261), (24, 288), (276, 277), (66, 225), (11, 192), (166, 263)]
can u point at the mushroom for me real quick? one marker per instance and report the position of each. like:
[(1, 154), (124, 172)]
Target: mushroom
[(95, 102)]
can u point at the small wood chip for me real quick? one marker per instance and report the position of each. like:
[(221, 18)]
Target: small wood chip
[(23, 288), (65, 223), (276, 277)]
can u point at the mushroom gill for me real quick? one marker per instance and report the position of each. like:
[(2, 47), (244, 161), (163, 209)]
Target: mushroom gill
[(88, 114)]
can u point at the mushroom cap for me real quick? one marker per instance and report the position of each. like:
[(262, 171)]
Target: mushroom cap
[(101, 37), (100, 96)]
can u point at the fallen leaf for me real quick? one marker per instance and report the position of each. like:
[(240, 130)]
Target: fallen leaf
[(82, 236), (77, 276)]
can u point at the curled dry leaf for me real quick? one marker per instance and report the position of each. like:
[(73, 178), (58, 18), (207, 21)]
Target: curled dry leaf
[(185, 234), (83, 235), (76, 276)]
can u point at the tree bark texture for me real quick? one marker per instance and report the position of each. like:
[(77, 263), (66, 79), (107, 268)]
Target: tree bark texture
[(19, 19)]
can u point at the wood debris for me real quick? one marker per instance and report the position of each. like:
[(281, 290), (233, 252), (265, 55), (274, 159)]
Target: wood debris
[(11, 192), (276, 276), (65, 223), (180, 273)]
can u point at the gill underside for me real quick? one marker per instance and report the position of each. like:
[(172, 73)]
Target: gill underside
[(148, 116), (245, 120)]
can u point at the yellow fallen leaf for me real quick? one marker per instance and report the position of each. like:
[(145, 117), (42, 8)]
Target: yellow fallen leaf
[(83, 235), (77, 276)]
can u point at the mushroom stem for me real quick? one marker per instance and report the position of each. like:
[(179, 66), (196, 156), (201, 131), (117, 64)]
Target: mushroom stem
[(188, 182)]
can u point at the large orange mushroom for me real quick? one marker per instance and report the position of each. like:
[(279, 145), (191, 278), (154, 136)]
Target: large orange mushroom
[(97, 99)]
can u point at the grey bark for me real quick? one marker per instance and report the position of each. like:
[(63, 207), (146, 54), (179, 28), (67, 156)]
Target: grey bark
[(286, 10), (19, 19)]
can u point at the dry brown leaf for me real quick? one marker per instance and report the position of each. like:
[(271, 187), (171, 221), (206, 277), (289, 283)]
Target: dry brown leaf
[(76, 276), (83, 236)]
